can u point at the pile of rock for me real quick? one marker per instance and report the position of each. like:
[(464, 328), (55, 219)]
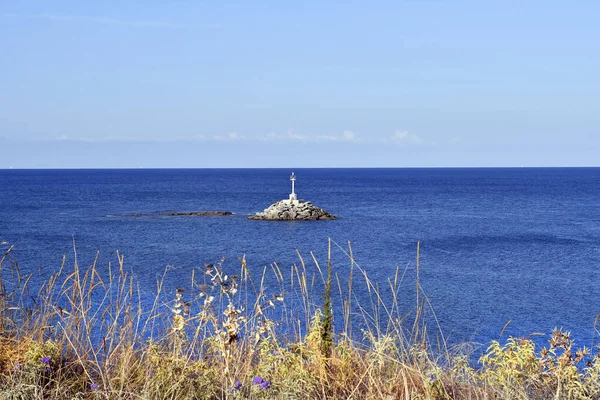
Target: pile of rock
[(293, 210)]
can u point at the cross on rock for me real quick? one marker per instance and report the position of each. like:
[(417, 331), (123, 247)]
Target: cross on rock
[(293, 197)]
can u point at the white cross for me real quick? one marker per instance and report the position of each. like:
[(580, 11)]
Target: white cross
[(293, 179)]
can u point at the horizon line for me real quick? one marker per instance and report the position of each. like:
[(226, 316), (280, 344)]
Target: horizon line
[(295, 168)]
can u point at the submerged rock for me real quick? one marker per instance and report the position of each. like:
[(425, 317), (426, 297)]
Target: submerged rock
[(182, 214), (198, 213), (293, 210)]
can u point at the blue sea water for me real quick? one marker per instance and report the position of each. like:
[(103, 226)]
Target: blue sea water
[(497, 245)]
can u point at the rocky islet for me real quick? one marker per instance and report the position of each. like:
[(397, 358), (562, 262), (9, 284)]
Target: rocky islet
[(293, 210)]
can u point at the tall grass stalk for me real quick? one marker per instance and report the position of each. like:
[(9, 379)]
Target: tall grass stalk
[(92, 333)]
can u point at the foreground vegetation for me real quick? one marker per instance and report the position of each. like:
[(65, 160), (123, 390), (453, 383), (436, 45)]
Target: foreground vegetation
[(87, 334)]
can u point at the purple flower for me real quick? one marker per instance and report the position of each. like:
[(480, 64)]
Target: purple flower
[(95, 386), (257, 380), (236, 387), (432, 377), (46, 360), (48, 370), (265, 385)]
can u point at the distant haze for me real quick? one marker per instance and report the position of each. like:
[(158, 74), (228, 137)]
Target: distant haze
[(301, 84)]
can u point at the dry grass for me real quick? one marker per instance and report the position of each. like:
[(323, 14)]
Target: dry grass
[(85, 334)]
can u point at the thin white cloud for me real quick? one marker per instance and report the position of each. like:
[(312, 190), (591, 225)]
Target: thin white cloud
[(230, 137), (405, 138), (284, 137), (290, 136), (349, 136)]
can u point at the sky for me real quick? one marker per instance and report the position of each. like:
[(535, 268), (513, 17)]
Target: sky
[(211, 84)]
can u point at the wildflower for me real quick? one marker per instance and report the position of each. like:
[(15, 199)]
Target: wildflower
[(432, 377), (178, 322), (265, 385), (208, 301), (258, 380), (236, 387), (47, 370), (94, 386), (45, 360)]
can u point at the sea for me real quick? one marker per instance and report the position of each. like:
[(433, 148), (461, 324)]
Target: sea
[(503, 251)]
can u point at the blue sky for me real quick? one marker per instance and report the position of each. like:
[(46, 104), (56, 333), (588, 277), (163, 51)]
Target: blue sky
[(299, 84)]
